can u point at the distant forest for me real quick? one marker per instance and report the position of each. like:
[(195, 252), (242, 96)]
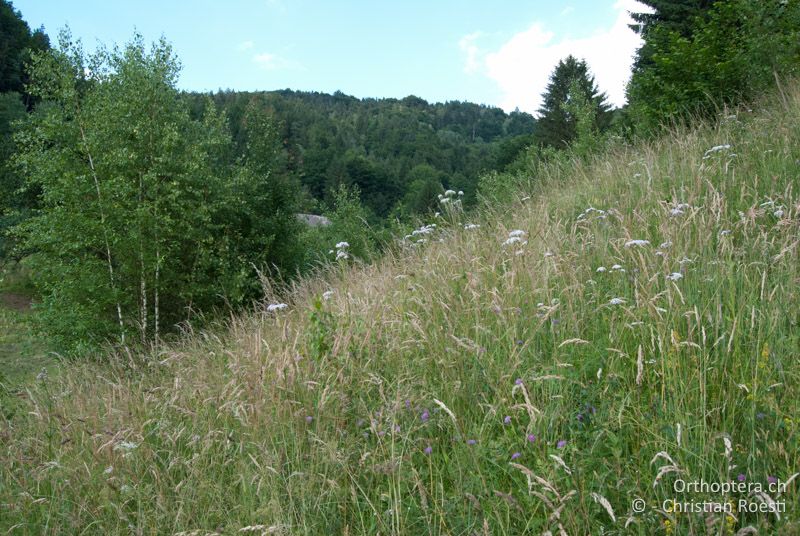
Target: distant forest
[(399, 154)]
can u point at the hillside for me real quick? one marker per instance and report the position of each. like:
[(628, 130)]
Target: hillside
[(398, 152), (619, 327)]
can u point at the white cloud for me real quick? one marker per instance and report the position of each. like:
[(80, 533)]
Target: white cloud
[(522, 66), (467, 45), (567, 10), (245, 45), (274, 62)]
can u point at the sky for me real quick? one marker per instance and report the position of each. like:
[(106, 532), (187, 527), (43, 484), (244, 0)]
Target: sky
[(497, 53)]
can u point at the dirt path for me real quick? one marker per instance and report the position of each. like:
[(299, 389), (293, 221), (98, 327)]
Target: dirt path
[(17, 302)]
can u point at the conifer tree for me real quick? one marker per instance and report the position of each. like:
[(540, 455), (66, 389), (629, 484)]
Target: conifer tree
[(557, 126)]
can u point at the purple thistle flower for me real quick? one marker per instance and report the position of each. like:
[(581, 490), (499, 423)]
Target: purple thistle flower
[(428, 450), (561, 444), (515, 455), (741, 477), (408, 403), (772, 480), (471, 441), (425, 416), (507, 419), (579, 417), (382, 433), (309, 418), (531, 438), (518, 381), (397, 428)]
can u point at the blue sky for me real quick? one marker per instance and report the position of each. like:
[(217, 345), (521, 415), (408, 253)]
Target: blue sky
[(499, 53)]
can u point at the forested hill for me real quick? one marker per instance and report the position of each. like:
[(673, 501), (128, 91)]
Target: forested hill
[(400, 153)]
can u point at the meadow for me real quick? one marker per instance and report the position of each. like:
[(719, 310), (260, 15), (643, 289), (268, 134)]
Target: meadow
[(555, 364)]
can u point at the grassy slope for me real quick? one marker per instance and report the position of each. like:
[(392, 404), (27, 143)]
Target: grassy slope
[(320, 419), (22, 353)]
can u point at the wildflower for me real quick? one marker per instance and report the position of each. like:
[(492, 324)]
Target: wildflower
[(725, 232), (516, 233), (518, 381), (428, 449), (471, 441), (665, 245), (342, 245), (772, 480), (449, 193), (675, 212), (341, 254), (741, 477), (778, 213), (327, 295), (617, 301), (425, 416), (471, 226), (108, 470), (715, 149), (617, 268), (397, 428), (272, 307), (674, 276), (309, 419), (514, 240), (685, 260), (516, 455), (126, 445), (507, 419), (561, 444), (630, 243), (531, 438), (600, 269)]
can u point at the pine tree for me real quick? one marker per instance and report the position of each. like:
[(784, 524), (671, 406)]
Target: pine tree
[(556, 126)]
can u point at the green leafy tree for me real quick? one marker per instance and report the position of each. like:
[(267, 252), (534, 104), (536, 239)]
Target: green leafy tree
[(727, 52), (557, 125), (425, 184), (136, 195)]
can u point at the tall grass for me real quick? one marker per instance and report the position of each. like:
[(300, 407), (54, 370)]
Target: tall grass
[(467, 387)]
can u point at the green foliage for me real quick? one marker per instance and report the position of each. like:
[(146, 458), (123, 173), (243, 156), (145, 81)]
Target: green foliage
[(425, 184), (583, 111), (16, 43), (349, 222), (377, 145), (558, 125), (732, 52), (143, 217), (14, 203)]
